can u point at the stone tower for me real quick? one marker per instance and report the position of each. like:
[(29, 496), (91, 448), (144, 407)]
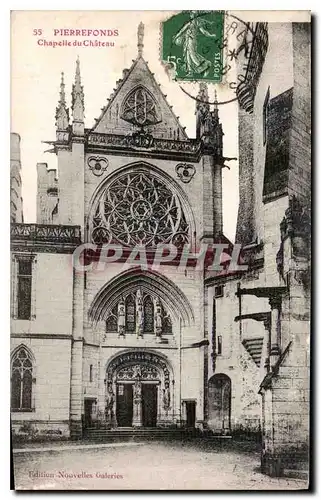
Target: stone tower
[(16, 212)]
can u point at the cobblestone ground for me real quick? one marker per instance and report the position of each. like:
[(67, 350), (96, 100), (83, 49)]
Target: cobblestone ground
[(152, 466)]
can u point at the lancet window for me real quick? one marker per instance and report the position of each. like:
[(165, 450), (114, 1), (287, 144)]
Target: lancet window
[(139, 313), (21, 380)]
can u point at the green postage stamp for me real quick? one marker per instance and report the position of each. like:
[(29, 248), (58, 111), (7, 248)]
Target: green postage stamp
[(192, 45)]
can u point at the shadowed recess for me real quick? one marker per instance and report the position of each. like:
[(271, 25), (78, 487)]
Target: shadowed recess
[(151, 282)]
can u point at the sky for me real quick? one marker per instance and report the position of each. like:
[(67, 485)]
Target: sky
[(35, 79)]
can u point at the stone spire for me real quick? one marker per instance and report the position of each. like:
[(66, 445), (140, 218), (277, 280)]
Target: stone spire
[(140, 39), (217, 130), (215, 109), (208, 127), (215, 100), (202, 104), (78, 108), (202, 109), (62, 113)]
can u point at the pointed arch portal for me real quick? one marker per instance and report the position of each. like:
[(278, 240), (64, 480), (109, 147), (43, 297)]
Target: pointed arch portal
[(139, 389), (150, 282)]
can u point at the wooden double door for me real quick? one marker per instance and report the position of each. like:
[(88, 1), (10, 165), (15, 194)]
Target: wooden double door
[(124, 405)]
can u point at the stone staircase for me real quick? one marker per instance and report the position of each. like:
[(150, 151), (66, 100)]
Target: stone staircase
[(137, 434), (254, 348)]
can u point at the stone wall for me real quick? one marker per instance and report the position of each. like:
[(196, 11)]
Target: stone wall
[(47, 194), (300, 151), (52, 289), (285, 391), (51, 389), (235, 361)]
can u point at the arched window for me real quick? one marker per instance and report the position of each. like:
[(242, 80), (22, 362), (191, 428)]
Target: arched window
[(130, 307), (148, 315), (111, 321), (167, 324), (21, 380)]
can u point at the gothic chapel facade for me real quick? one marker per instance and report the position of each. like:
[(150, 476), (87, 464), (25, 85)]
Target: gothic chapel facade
[(122, 346), (131, 341)]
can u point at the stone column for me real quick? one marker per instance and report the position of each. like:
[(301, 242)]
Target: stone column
[(158, 320), (102, 390), (76, 391), (137, 404), (173, 402), (159, 404), (265, 358), (139, 314), (207, 203), (217, 201), (110, 417), (183, 420), (275, 303)]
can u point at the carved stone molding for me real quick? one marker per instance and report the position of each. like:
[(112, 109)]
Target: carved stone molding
[(185, 172), (138, 372), (296, 225), (145, 141), (137, 366), (297, 220), (97, 164)]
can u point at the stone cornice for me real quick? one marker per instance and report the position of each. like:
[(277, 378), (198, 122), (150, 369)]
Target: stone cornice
[(221, 278), (49, 238), (141, 144), (60, 336), (263, 291)]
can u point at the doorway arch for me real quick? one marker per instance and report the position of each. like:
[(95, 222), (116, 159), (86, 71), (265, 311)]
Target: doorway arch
[(139, 390), (219, 403)]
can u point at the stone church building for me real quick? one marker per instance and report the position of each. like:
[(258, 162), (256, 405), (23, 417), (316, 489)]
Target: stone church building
[(122, 345)]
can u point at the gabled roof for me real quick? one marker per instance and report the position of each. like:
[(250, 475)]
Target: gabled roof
[(139, 75)]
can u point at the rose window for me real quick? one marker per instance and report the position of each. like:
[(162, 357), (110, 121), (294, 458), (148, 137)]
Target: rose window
[(139, 209)]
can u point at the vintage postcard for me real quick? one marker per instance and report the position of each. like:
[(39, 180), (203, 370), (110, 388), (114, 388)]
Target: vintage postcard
[(160, 250)]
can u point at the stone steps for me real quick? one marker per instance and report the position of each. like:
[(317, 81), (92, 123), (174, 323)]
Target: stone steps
[(254, 348), (134, 434)]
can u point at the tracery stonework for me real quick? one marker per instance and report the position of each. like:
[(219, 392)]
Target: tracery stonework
[(139, 209), (133, 372), (140, 108), (137, 365)]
